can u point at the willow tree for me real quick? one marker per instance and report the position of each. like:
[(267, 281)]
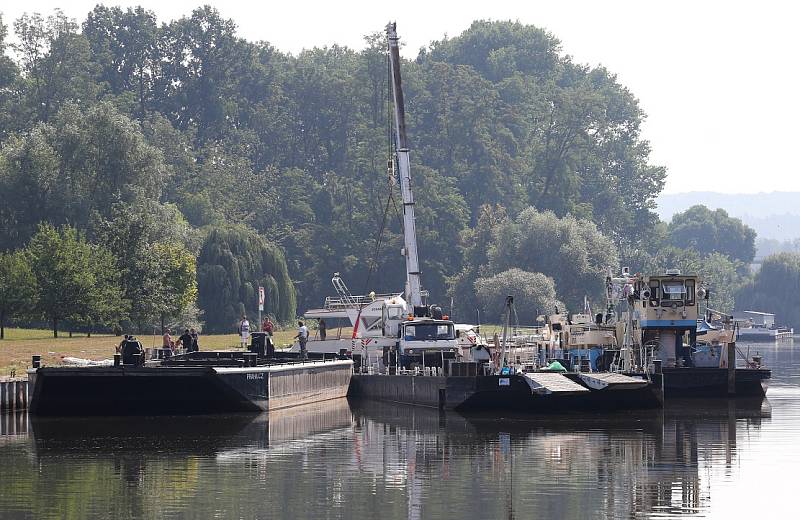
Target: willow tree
[(233, 263)]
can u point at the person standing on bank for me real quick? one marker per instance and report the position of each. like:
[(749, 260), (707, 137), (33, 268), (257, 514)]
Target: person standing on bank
[(302, 338), (244, 331), (323, 331)]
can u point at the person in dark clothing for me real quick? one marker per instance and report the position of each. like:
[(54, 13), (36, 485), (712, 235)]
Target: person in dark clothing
[(122, 344), (323, 331), (130, 347), (186, 340), (195, 344)]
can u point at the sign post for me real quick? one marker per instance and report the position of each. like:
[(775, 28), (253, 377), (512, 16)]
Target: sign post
[(260, 304)]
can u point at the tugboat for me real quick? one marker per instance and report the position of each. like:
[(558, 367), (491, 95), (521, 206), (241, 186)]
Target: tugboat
[(659, 317), (424, 362)]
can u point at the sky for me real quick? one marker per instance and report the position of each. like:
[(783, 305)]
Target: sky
[(718, 80)]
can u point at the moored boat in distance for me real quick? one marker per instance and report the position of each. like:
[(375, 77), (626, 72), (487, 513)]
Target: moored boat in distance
[(760, 326)]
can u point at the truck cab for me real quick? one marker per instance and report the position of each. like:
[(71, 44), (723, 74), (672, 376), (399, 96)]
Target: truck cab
[(426, 342)]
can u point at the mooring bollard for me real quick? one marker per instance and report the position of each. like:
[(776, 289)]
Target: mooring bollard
[(731, 368), (36, 361), (21, 394), (657, 366)]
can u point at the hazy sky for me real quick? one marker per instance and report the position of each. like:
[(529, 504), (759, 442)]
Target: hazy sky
[(717, 79)]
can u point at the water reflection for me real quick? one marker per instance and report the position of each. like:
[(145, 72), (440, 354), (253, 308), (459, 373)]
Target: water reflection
[(569, 466), (347, 460), (355, 459)]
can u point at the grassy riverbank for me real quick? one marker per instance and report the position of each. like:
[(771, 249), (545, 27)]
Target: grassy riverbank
[(20, 344)]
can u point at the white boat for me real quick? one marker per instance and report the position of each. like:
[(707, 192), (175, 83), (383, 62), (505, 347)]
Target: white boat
[(760, 326)]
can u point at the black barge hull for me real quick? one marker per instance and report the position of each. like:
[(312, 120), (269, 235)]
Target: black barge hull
[(713, 382), (184, 390), (487, 393)]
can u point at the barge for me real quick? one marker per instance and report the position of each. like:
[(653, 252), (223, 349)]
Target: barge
[(208, 382), (535, 393)]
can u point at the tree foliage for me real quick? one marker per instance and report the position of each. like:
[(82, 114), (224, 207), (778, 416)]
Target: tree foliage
[(232, 264), (573, 252), (17, 287), (775, 289), (78, 164), (123, 109), (534, 294), (75, 280), (707, 231), (157, 269)]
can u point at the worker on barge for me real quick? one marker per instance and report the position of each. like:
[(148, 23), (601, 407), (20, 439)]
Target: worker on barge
[(132, 351)]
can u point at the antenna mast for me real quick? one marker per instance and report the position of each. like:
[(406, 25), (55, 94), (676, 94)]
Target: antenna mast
[(413, 284)]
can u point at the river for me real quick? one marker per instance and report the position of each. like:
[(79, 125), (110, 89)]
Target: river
[(718, 459)]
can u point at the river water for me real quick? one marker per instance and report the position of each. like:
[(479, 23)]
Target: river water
[(718, 459)]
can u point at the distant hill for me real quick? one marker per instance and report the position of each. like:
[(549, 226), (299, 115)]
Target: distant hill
[(774, 215)]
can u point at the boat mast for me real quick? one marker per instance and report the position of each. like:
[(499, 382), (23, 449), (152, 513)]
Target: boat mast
[(413, 284)]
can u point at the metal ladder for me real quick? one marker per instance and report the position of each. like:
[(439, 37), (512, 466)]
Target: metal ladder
[(342, 290)]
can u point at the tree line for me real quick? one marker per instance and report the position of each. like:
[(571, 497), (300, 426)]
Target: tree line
[(182, 148)]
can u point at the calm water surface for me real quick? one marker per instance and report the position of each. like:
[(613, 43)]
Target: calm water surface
[(719, 459)]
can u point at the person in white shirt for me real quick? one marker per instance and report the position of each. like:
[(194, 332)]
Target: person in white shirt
[(244, 331), (302, 338)]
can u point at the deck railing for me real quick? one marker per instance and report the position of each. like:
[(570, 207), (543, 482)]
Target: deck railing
[(354, 302)]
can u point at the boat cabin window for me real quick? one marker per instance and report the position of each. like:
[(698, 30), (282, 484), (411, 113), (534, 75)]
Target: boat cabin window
[(655, 292), (395, 313), (673, 292), (689, 292), (432, 331)]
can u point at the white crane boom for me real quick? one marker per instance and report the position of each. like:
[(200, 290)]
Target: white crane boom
[(413, 284)]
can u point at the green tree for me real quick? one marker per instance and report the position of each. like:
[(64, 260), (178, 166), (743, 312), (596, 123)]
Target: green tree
[(56, 64), (17, 287), (80, 163), (534, 294), (573, 252), (75, 280), (774, 289), (473, 245), (9, 78), (232, 264), (153, 248), (125, 45), (179, 278), (708, 231)]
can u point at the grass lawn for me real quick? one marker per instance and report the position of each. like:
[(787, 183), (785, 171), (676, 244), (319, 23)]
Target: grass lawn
[(20, 344)]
